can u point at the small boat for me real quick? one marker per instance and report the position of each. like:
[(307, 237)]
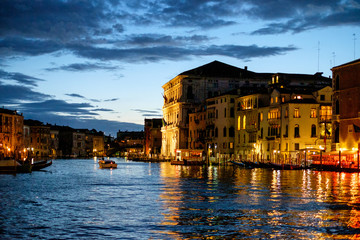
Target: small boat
[(107, 164), (286, 166), (241, 164), (36, 166)]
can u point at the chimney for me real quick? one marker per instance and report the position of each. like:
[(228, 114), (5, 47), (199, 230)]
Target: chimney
[(245, 68)]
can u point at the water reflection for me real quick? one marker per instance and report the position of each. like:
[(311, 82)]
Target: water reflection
[(208, 202), (74, 199)]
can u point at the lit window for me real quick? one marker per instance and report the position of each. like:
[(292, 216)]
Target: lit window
[(313, 113), (244, 122), (296, 113), (239, 123)]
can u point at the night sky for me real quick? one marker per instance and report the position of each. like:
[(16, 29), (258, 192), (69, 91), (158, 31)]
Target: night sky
[(101, 64)]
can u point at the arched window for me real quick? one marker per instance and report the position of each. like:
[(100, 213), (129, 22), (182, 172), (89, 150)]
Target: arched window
[(297, 131), (337, 111), (232, 112), (190, 94), (313, 130), (337, 83), (244, 122), (336, 138), (239, 123), (231, 132)]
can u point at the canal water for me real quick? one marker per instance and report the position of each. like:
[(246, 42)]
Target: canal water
[(74, 199)]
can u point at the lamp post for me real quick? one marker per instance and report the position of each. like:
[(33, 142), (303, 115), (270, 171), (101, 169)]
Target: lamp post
[(340, 158)]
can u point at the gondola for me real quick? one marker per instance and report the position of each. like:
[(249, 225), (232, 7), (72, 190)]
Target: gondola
[(36, 166)]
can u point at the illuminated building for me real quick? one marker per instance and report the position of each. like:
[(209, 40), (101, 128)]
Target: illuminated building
[(37, 138), (221, 126), (345, 120), (346, 106), (197, 129), (189, 90), (277, 126), (11, 133)]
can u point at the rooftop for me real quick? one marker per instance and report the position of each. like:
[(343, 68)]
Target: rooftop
[(216, 69)]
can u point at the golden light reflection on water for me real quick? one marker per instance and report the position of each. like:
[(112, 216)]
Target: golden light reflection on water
[(259, 202)]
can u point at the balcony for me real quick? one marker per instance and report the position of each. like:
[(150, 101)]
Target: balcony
[(325, 118)]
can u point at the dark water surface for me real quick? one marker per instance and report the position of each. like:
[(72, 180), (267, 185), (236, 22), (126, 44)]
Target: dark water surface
[(74, 199)]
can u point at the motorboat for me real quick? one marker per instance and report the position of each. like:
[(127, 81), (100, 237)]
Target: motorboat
[(107, 164)]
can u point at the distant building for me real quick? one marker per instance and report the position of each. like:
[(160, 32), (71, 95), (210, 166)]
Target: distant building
[(131, 143), (54, 143), (152, 130), (11, 133), (38, 138)]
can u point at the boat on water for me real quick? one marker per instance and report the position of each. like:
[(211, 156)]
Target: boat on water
[(286, 166), (188, 157), (241, 164), (107, 164), (36, 166)]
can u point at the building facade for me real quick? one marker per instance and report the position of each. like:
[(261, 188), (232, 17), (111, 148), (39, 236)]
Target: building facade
[(346, 107), (38, 139), (152, 145), (11, 133), (189, 90), (221, 128)]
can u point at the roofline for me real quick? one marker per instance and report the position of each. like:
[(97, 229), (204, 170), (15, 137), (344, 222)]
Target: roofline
[(346, 64)]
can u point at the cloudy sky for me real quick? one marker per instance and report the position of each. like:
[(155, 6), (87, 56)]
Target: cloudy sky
[(101, 63)]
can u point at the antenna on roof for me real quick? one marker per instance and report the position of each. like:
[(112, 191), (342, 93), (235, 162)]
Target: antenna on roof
[(354, 44), (318, 55)]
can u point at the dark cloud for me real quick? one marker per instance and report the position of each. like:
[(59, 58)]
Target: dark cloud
[(163, 40), (149, 113), (54, 19), (107, 126), (19, 78), (28, 47), (145, 111), (75, 95), (78, 67), (300, 16), (153, 54), (102, 110), (57, 22), (58, 107), (95, 30), (153, 115), (111, 100), (14, 94)]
